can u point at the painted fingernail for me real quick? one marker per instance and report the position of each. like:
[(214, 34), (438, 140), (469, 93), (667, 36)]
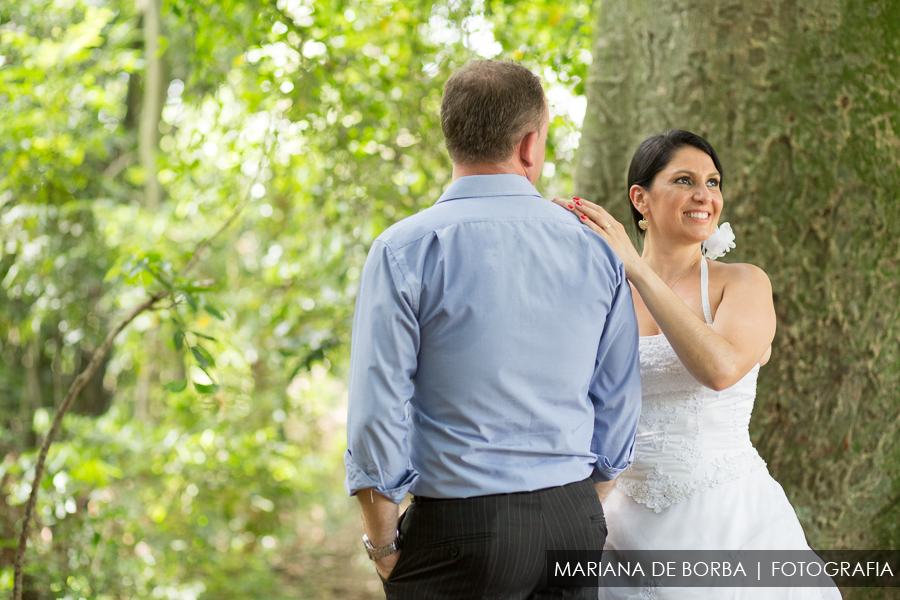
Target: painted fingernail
[(578, 203), (571, 207), (583, 218), (575, 198)]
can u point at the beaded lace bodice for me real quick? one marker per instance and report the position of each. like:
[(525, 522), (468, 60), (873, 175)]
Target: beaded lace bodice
[(689, 437)]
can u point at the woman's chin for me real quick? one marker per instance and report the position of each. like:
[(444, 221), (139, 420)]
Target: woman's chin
[(701, 232), (691, 235)]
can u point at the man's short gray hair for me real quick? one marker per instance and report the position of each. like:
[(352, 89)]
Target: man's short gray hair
[(487, 108)]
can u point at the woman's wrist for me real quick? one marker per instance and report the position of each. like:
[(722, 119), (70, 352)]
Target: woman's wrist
[(638, 272)]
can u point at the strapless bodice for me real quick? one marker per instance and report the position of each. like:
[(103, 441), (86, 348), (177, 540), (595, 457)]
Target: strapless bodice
[(689, 437)]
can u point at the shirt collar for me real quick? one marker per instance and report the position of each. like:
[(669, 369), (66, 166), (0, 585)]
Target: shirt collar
[(483, 186)]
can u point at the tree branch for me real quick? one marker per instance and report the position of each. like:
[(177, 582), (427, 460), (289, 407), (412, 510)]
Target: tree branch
[(74, 390), (86, 375)]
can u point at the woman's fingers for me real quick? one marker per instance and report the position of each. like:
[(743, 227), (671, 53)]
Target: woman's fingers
[(596, 213), (575, 207), (599, 220), (592, 215), (571, 206)]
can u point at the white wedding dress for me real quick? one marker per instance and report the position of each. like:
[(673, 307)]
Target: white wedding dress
[(697, 482)]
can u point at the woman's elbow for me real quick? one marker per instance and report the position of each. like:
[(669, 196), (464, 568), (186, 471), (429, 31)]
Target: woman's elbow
[(722, 378), (717, 385)]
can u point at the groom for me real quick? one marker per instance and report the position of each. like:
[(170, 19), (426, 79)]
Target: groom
[(494, 370)]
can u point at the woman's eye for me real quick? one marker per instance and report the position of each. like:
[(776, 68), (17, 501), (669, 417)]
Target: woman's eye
[(714, 183), (685, 180)]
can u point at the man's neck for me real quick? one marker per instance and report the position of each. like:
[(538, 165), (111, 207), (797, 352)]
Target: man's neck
[(504, 168)]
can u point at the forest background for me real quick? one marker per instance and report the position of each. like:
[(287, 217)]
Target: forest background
[(203, 458)]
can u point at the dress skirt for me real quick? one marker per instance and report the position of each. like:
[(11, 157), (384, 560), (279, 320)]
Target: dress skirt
[(750, 513)]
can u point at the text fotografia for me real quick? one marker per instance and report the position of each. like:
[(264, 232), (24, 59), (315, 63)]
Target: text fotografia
[(722, 569), (708, 568)]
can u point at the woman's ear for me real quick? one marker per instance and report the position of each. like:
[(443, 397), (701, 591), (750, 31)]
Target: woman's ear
[(639, 199)]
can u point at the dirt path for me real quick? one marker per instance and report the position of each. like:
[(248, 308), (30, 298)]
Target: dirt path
[(336, 568)]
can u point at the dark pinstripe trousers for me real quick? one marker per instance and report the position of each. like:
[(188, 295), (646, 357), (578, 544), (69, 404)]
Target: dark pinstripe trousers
[(494, 546)]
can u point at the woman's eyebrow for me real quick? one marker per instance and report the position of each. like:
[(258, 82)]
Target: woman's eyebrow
[(689, 172)]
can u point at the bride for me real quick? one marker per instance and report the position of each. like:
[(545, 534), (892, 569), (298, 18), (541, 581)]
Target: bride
[(696, 481)]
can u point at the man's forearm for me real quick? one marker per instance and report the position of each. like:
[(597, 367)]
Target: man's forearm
[(379, 515), (603, 488)]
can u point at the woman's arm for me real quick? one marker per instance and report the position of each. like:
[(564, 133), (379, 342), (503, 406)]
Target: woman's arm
[(717, 356)]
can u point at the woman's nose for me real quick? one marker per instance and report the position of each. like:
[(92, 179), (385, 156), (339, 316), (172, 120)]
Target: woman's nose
[(703, 194)]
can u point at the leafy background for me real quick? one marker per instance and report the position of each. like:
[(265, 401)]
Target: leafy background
[(204, 459)]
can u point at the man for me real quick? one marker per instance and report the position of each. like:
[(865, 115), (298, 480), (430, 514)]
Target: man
[(494, 371)]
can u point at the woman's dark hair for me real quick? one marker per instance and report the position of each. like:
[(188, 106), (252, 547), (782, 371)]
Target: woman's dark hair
[(656, 152)]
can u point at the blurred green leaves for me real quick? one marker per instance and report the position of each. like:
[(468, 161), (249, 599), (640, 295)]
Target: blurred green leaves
[(207, 451)]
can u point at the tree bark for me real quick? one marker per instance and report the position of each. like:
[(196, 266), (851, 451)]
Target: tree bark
[(33, 401), (800, 101), (151, 106)]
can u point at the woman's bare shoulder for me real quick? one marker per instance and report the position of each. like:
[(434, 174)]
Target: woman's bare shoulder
[(739, 274)]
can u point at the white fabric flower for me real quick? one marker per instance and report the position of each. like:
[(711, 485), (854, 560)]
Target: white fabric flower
[(720, 242)]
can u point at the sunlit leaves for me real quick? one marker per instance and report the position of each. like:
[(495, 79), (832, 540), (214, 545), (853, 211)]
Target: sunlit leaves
[(176, 386), (59, 106), (178, 340), (226, 419), (205, 388), (208, 307), (202, 355)]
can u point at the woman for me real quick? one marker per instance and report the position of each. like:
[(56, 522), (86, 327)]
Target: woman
[(696, 482)]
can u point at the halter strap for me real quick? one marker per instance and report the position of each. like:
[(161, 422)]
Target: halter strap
[(704, 291)]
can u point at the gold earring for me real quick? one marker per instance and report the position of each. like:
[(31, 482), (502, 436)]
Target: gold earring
[(643, 223)]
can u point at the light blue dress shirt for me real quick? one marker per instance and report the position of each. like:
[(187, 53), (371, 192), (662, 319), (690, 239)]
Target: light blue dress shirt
[(494, 350)]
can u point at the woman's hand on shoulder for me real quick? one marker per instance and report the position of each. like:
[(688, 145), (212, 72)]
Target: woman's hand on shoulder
[(599, 220), (745, 316)]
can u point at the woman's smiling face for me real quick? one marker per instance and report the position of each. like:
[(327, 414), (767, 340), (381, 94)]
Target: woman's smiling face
[(685, 200)]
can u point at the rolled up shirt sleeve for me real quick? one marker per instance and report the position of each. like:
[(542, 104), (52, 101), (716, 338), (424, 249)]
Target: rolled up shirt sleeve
[(615, 388), (384, 347)]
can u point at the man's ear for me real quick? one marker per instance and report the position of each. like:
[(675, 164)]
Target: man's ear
[(638, 196), (527, 150)]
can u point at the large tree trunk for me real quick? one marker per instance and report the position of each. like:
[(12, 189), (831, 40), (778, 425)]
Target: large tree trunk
[(800, 100)]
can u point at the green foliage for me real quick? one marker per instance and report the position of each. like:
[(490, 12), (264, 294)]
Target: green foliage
[(206, 454), (196, 501), (205, 457)]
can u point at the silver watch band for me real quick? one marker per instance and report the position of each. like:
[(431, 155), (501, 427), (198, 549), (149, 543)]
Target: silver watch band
[(379, 552)]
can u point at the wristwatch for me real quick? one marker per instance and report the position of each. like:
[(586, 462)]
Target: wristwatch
[(378, 552)]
